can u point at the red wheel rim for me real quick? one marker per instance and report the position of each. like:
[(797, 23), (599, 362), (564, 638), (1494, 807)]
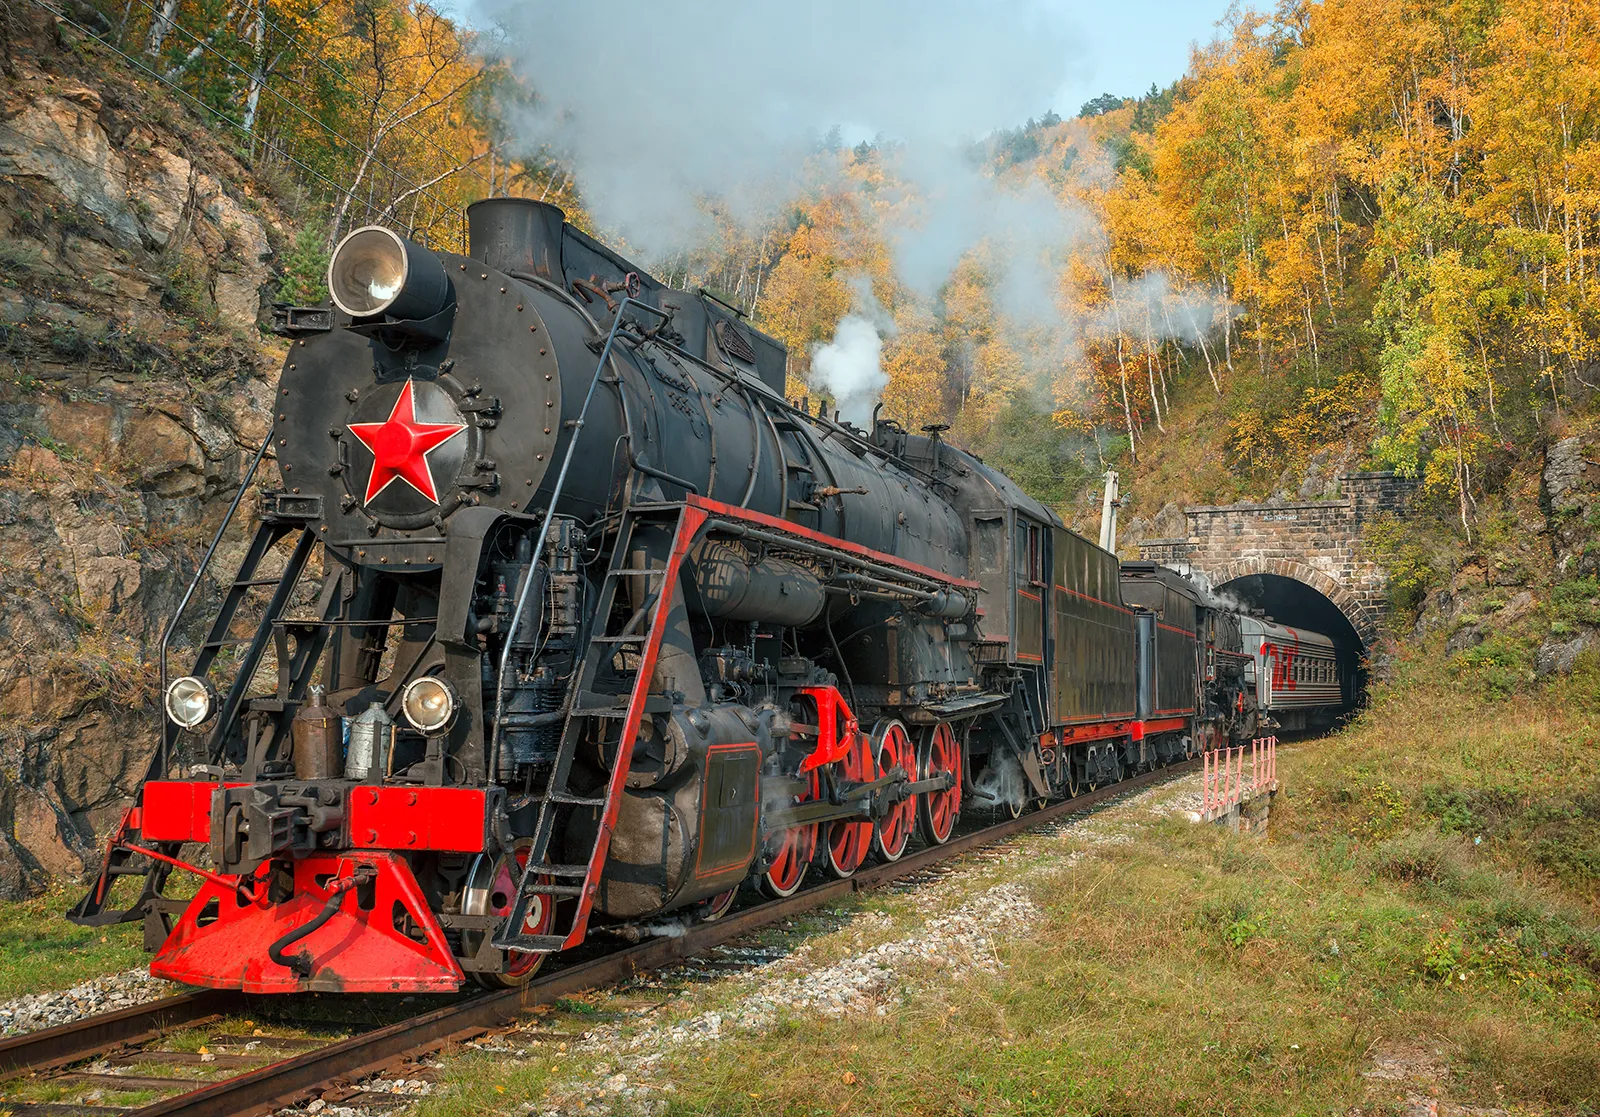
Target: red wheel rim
[(715, 907), (541, 912), (938, 810), (849, 842), (893, 830), (790, 851)]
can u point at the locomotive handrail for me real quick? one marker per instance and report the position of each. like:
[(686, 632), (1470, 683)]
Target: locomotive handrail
[(194, 584), (525, 593)]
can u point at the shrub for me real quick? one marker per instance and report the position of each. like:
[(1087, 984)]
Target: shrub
[(1440, 956), (305, 269), (1421, 856)]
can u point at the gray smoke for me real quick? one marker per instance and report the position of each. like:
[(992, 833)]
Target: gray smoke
[(661, 106)]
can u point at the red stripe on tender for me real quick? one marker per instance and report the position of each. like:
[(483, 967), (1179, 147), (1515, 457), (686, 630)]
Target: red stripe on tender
[(1096, 600), (1165, 725)]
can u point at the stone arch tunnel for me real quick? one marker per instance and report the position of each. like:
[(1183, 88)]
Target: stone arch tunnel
[(1300, 563)]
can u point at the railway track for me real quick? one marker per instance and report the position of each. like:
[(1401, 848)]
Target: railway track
[(274, 1070)]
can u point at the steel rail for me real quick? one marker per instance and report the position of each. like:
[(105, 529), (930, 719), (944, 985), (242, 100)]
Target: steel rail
[(81, 1039), (275, 1085)]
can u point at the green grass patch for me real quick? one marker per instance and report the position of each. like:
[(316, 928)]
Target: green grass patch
[(40, 950)]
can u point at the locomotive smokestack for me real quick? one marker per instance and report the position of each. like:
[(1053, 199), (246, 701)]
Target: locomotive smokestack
[(516, 235)]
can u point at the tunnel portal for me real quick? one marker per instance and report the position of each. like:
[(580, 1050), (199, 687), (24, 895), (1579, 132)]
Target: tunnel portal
[(1300, 563)]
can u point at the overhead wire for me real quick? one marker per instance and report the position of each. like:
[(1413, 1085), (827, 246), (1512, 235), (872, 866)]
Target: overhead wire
[(338, 189), (345, 80), (205, 46)]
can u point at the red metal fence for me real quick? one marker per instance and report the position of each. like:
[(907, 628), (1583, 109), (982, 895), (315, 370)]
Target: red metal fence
[(1230, 777)]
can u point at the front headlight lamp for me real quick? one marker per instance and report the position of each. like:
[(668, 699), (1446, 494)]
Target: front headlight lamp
[(190, 701), (429, 703), (377, 271)]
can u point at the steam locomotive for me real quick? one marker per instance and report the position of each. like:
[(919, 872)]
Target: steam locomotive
[(571, 619)]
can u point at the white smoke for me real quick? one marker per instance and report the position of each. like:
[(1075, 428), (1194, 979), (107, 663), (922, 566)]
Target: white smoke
[(661, 106), (1213, 598), (1001, 783), (668, 112), (850, 367), (1154, 307)]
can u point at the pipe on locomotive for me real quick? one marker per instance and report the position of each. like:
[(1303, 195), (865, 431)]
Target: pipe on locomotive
[(524, 594)]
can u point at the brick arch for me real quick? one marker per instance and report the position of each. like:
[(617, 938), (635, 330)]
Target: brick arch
[(1360, 615)]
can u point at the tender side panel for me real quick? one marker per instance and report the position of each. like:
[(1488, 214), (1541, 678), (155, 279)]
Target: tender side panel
[(1030, 561), (1178, 655), (1172, 658), (1094, 635)]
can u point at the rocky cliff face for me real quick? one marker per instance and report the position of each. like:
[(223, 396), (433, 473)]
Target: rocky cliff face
[(135, 258)]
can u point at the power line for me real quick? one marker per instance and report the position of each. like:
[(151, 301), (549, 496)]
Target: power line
[(344, 79), (312, 171), (205, 46)]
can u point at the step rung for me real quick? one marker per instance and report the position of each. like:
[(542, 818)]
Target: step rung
[(233, 643), (637, 639), (576, 800), (557, 889), (540, 942), (635, 572), (248, 582), (579, 871)]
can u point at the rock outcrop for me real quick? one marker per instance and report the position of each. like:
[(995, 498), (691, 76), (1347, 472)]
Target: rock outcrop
[(135, 259), (1570, 493)]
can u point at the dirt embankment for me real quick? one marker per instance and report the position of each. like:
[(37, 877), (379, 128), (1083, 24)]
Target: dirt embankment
[(136, 256)]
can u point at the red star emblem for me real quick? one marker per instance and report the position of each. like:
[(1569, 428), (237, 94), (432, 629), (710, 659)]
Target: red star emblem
[(400, 447)]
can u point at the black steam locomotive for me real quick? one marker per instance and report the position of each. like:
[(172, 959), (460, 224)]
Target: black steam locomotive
[(571, 616)]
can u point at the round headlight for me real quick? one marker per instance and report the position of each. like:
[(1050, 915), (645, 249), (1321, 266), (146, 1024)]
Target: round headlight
[(428, 703), (367, 271), (189, 701), (376, 271)]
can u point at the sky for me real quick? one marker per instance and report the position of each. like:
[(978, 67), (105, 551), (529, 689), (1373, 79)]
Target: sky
[(1128, 45)]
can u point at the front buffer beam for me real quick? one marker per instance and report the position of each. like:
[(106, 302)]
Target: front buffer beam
[(376, 932)]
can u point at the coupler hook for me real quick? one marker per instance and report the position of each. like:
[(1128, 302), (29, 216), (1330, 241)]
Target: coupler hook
[(300, 964)]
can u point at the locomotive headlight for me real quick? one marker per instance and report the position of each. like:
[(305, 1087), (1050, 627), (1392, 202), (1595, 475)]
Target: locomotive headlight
[(376, 271), (429, 703), (189, 701)]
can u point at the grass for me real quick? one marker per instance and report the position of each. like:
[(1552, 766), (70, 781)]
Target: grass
[(40, 950), (1423, 920)]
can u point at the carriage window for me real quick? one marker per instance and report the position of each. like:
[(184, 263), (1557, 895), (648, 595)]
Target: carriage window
[(1035, 556)]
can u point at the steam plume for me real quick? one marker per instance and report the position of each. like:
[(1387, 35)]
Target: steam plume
[(850, 367)]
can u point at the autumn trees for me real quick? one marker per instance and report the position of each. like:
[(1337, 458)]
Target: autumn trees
[(365, 110), (1350, 219)]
